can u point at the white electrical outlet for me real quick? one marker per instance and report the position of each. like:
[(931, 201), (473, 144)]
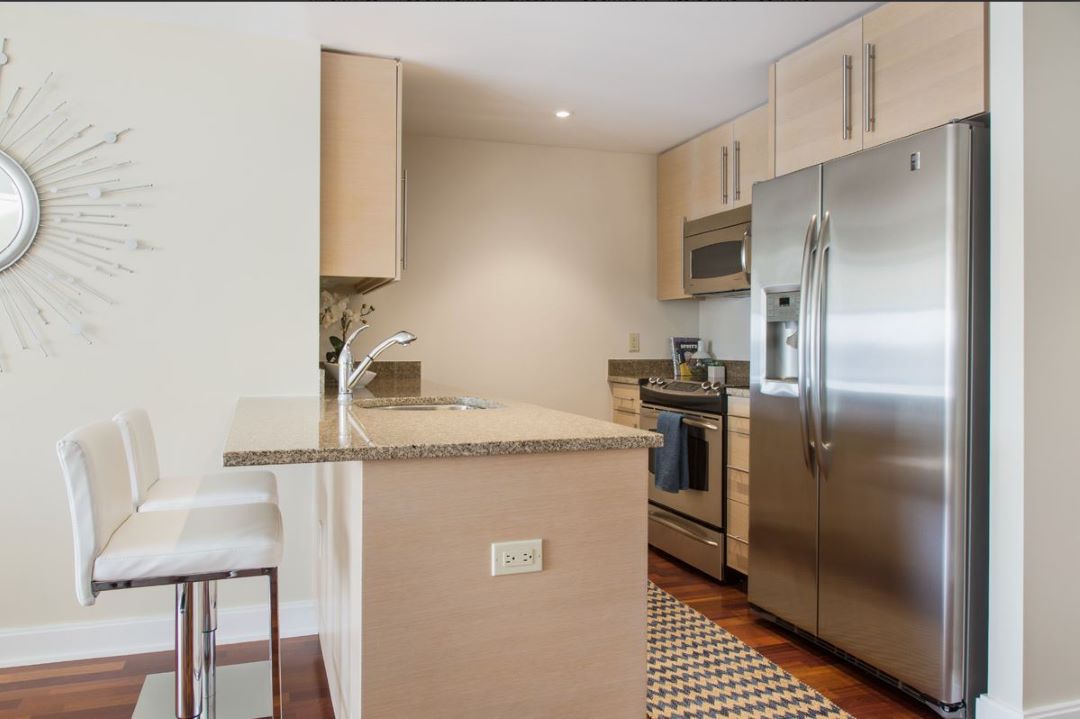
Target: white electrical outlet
[(517, 557), (635, 342)]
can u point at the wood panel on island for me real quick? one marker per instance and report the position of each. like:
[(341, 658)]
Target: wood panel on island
[(410, 509)]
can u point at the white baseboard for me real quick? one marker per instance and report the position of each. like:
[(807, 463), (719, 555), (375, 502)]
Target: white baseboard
[(1067, 710), (988, 708), (88, 640)]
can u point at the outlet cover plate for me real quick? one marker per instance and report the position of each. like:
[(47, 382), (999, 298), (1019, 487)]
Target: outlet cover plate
[(517, 557)]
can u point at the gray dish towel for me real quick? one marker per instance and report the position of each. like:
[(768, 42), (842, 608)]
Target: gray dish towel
[(670, 467)]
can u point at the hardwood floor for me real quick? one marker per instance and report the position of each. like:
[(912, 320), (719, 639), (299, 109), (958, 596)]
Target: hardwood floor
[(109, 688), (859, 694)]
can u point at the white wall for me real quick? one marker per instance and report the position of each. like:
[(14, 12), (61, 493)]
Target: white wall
[(1051, 266), (1006, 635), (1035, 484), (725, 322), (226, 127), (528, 267)]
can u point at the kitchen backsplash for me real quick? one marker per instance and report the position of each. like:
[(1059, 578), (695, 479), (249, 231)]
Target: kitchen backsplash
[(388, 376), (737, 371), (639, 367)]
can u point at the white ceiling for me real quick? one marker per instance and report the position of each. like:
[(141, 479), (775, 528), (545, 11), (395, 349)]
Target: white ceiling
[(638, 76)]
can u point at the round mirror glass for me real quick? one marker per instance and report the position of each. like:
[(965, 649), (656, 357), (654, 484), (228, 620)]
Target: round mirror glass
[(18, 211)]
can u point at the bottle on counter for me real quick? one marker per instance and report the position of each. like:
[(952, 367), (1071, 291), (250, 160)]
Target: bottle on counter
[(699, 361)]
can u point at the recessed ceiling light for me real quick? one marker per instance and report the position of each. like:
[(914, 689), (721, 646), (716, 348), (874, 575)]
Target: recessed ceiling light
[(563, 114)]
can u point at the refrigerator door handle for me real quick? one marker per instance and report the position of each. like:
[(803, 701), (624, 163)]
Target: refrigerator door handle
[(821, 446), (806, 342)]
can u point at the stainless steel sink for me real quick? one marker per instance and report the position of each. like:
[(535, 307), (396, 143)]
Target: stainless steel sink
[(450, 404), (429, 407)]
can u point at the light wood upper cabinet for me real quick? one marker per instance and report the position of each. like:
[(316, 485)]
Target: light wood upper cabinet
[(710, 178), (913, 66), (751, 159), (362, 193), (929, 66), (818, 100), (673, 170), (704, 176)]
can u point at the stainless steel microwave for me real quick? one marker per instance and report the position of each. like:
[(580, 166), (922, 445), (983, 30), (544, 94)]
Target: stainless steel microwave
[(716, 253)]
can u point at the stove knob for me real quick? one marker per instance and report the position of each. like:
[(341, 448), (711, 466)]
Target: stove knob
[(705, 386), (653, 380), (717, 386), (660, 382)]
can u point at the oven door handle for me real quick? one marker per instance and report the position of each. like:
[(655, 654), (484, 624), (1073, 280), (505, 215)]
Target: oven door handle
[(660, 519), (699, 424)]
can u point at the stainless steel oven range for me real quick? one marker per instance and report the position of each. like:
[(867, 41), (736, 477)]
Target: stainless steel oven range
[(689, 524)]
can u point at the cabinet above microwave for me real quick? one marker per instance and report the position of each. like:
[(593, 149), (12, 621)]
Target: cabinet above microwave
[(716, 253)]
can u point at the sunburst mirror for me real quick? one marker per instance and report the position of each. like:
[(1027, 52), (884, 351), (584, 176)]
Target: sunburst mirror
[(62, 202)]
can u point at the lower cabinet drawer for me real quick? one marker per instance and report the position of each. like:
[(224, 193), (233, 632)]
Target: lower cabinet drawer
[(738, 485), (626, 397), (627, 419), (738, 451), (738, 520), (738, 555), (738, 406), (739, 424), (694, 544)]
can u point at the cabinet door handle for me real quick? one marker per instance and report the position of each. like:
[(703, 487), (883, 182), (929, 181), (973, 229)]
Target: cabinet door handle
[(738, 169), (724, 169), (869, 58), (404, 220), (845, 87)]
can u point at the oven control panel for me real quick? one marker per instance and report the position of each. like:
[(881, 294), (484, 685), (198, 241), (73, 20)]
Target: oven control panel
[(679, 394)]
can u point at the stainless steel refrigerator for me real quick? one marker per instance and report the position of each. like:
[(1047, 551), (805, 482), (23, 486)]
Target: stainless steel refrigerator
[(869, 398)]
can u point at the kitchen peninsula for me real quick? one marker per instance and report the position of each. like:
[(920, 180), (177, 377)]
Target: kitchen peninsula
[(409, 503)]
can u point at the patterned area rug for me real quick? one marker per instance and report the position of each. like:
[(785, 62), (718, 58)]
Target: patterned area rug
[(697, 670)]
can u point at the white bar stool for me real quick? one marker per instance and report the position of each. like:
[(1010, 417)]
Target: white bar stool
[(150, 492), (116, 548)]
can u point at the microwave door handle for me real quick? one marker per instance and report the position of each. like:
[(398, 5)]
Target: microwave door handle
[(743, 246), (806, 342)]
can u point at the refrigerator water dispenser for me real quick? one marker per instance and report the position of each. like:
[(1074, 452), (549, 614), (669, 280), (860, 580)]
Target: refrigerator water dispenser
[(782, 336)]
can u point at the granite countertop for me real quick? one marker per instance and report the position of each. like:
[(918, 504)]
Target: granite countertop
[(300, 430)]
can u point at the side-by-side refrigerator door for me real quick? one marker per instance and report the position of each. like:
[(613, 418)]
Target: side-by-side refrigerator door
[(893, 341), (783, 489)]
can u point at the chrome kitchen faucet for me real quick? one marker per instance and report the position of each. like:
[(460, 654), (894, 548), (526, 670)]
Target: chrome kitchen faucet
[(348, 374)]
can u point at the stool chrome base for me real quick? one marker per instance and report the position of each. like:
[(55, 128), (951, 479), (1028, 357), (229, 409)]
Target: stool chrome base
[(243, 692)]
